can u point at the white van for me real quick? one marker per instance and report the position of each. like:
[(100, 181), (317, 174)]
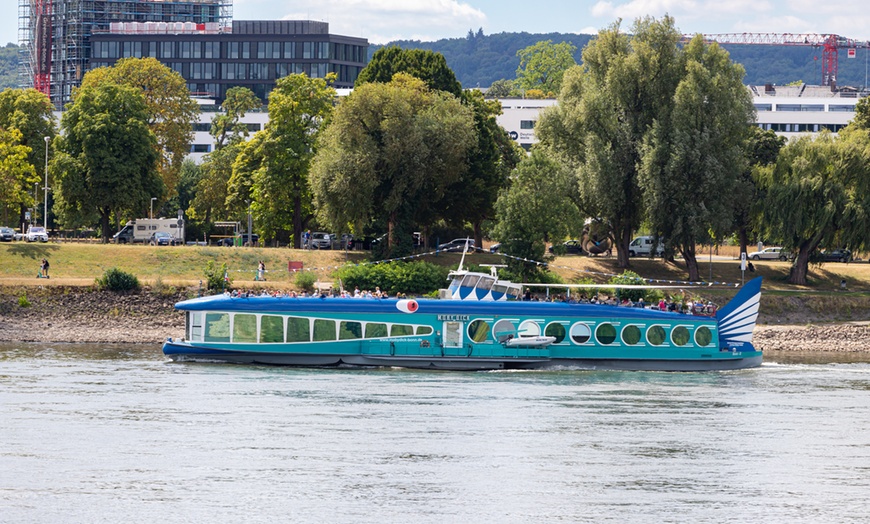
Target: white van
[(642, 247)]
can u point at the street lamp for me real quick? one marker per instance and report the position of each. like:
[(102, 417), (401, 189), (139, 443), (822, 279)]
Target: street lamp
[(46, 188), (151, 213)]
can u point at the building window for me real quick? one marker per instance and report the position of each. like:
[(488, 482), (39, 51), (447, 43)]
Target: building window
[(185, 49), (764, 107), (841, 108), (527, 124), (261, 50), (289, 50), (233, 50), (200, 148), (246, 50), (307, 50), (212, 50)]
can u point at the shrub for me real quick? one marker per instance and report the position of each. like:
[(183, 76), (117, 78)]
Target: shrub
[(217, 276), (416, 278), (630, 278), (22, 300), (305, 281), (114, 279)]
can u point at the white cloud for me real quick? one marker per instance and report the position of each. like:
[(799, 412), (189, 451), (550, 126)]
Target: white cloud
[(628, 11)]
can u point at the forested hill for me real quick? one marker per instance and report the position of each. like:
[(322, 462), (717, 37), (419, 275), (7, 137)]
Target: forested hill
[(480, 59), (8, 66)]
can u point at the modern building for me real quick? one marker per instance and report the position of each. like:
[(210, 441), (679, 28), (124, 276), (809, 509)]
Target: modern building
[(55, 35), (253, 54), (789, 111)]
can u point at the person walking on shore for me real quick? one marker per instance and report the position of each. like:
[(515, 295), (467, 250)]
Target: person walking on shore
[(261, 271)]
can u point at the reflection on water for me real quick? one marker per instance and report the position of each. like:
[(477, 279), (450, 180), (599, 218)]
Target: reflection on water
[(98, 433)]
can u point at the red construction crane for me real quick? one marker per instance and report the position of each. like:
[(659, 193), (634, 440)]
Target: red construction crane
[(830, 44), (42, 45)]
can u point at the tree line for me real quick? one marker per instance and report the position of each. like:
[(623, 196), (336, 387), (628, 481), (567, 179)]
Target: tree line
[(647, 134)]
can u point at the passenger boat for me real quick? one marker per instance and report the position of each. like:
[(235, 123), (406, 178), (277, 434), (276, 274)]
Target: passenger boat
[(481, 324)]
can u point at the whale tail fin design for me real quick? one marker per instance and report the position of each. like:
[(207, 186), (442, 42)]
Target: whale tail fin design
[(737, 318)]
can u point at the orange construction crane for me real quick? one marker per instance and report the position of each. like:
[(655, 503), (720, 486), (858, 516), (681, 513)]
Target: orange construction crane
[(830, 45)]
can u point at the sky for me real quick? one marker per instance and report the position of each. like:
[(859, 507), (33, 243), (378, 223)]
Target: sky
[(381, 21)]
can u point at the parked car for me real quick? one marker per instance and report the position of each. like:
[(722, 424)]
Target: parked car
[(162, 238), (770, 253), (572, 247), (36, 234), (243, 240), (7, 234), (836, 255), (457, 244), (320, 240)]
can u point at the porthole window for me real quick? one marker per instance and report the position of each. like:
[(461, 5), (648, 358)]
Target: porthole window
[(680, 336), (580, 333), (605, 334), (478, 331), (555, 329), (703, 336), (655, 335), (504, 330), (631, 335), (530, 328)]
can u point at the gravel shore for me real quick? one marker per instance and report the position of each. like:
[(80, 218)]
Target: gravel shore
[(85, 315)]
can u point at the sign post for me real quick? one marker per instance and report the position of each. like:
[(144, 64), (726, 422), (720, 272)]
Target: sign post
[(742, 268)]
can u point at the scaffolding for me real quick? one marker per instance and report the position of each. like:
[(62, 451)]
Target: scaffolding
[(54, 35)]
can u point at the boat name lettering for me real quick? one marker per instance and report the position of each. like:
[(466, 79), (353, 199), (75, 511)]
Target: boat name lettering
[(453, 317)]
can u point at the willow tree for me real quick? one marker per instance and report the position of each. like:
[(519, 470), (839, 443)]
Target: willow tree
[(695, 154), (817, 195), (171, 112), (543, 65), (606, 109), (388, 148)]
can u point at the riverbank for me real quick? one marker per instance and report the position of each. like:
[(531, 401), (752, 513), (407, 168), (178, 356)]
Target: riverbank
[(77, 314)]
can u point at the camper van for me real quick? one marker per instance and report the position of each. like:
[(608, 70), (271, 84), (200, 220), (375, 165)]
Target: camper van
[(141, 229), (642, 247)]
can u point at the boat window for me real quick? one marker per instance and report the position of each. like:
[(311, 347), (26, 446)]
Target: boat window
[(499, 288), (349, 330), (217, 327), (631, 335), (680, 336), (424, 330), (195, 326), (401, 330), (298, 330), (514, 293), (271, 329), (457, 280), (504, 330), (580, 333), (655, 335), (703, 336), (530, 328), (605, 333), (470, 280), (485, 283), (478, 331), (555, 329), (375, 330), (324, 330), (244, 328)]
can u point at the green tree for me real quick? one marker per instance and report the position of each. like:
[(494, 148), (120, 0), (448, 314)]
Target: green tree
[(106, 160), (491, 158), (389, 148), (273, 170), (211, 193), (605, 111), (29, 112), (862, 114), (429, 66), (171, 111), (16, 173), (695, 155), (502, 89), (226, 126), (543, 65), (762, 148), (537, 207), (817, 194)]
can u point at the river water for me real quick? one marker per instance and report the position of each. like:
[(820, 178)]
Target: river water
[(96, 433)]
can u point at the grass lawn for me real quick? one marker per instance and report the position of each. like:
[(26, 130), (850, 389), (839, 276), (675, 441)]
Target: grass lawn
[(80, 264)]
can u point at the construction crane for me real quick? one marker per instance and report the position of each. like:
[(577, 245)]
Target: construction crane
[(830, 44)]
